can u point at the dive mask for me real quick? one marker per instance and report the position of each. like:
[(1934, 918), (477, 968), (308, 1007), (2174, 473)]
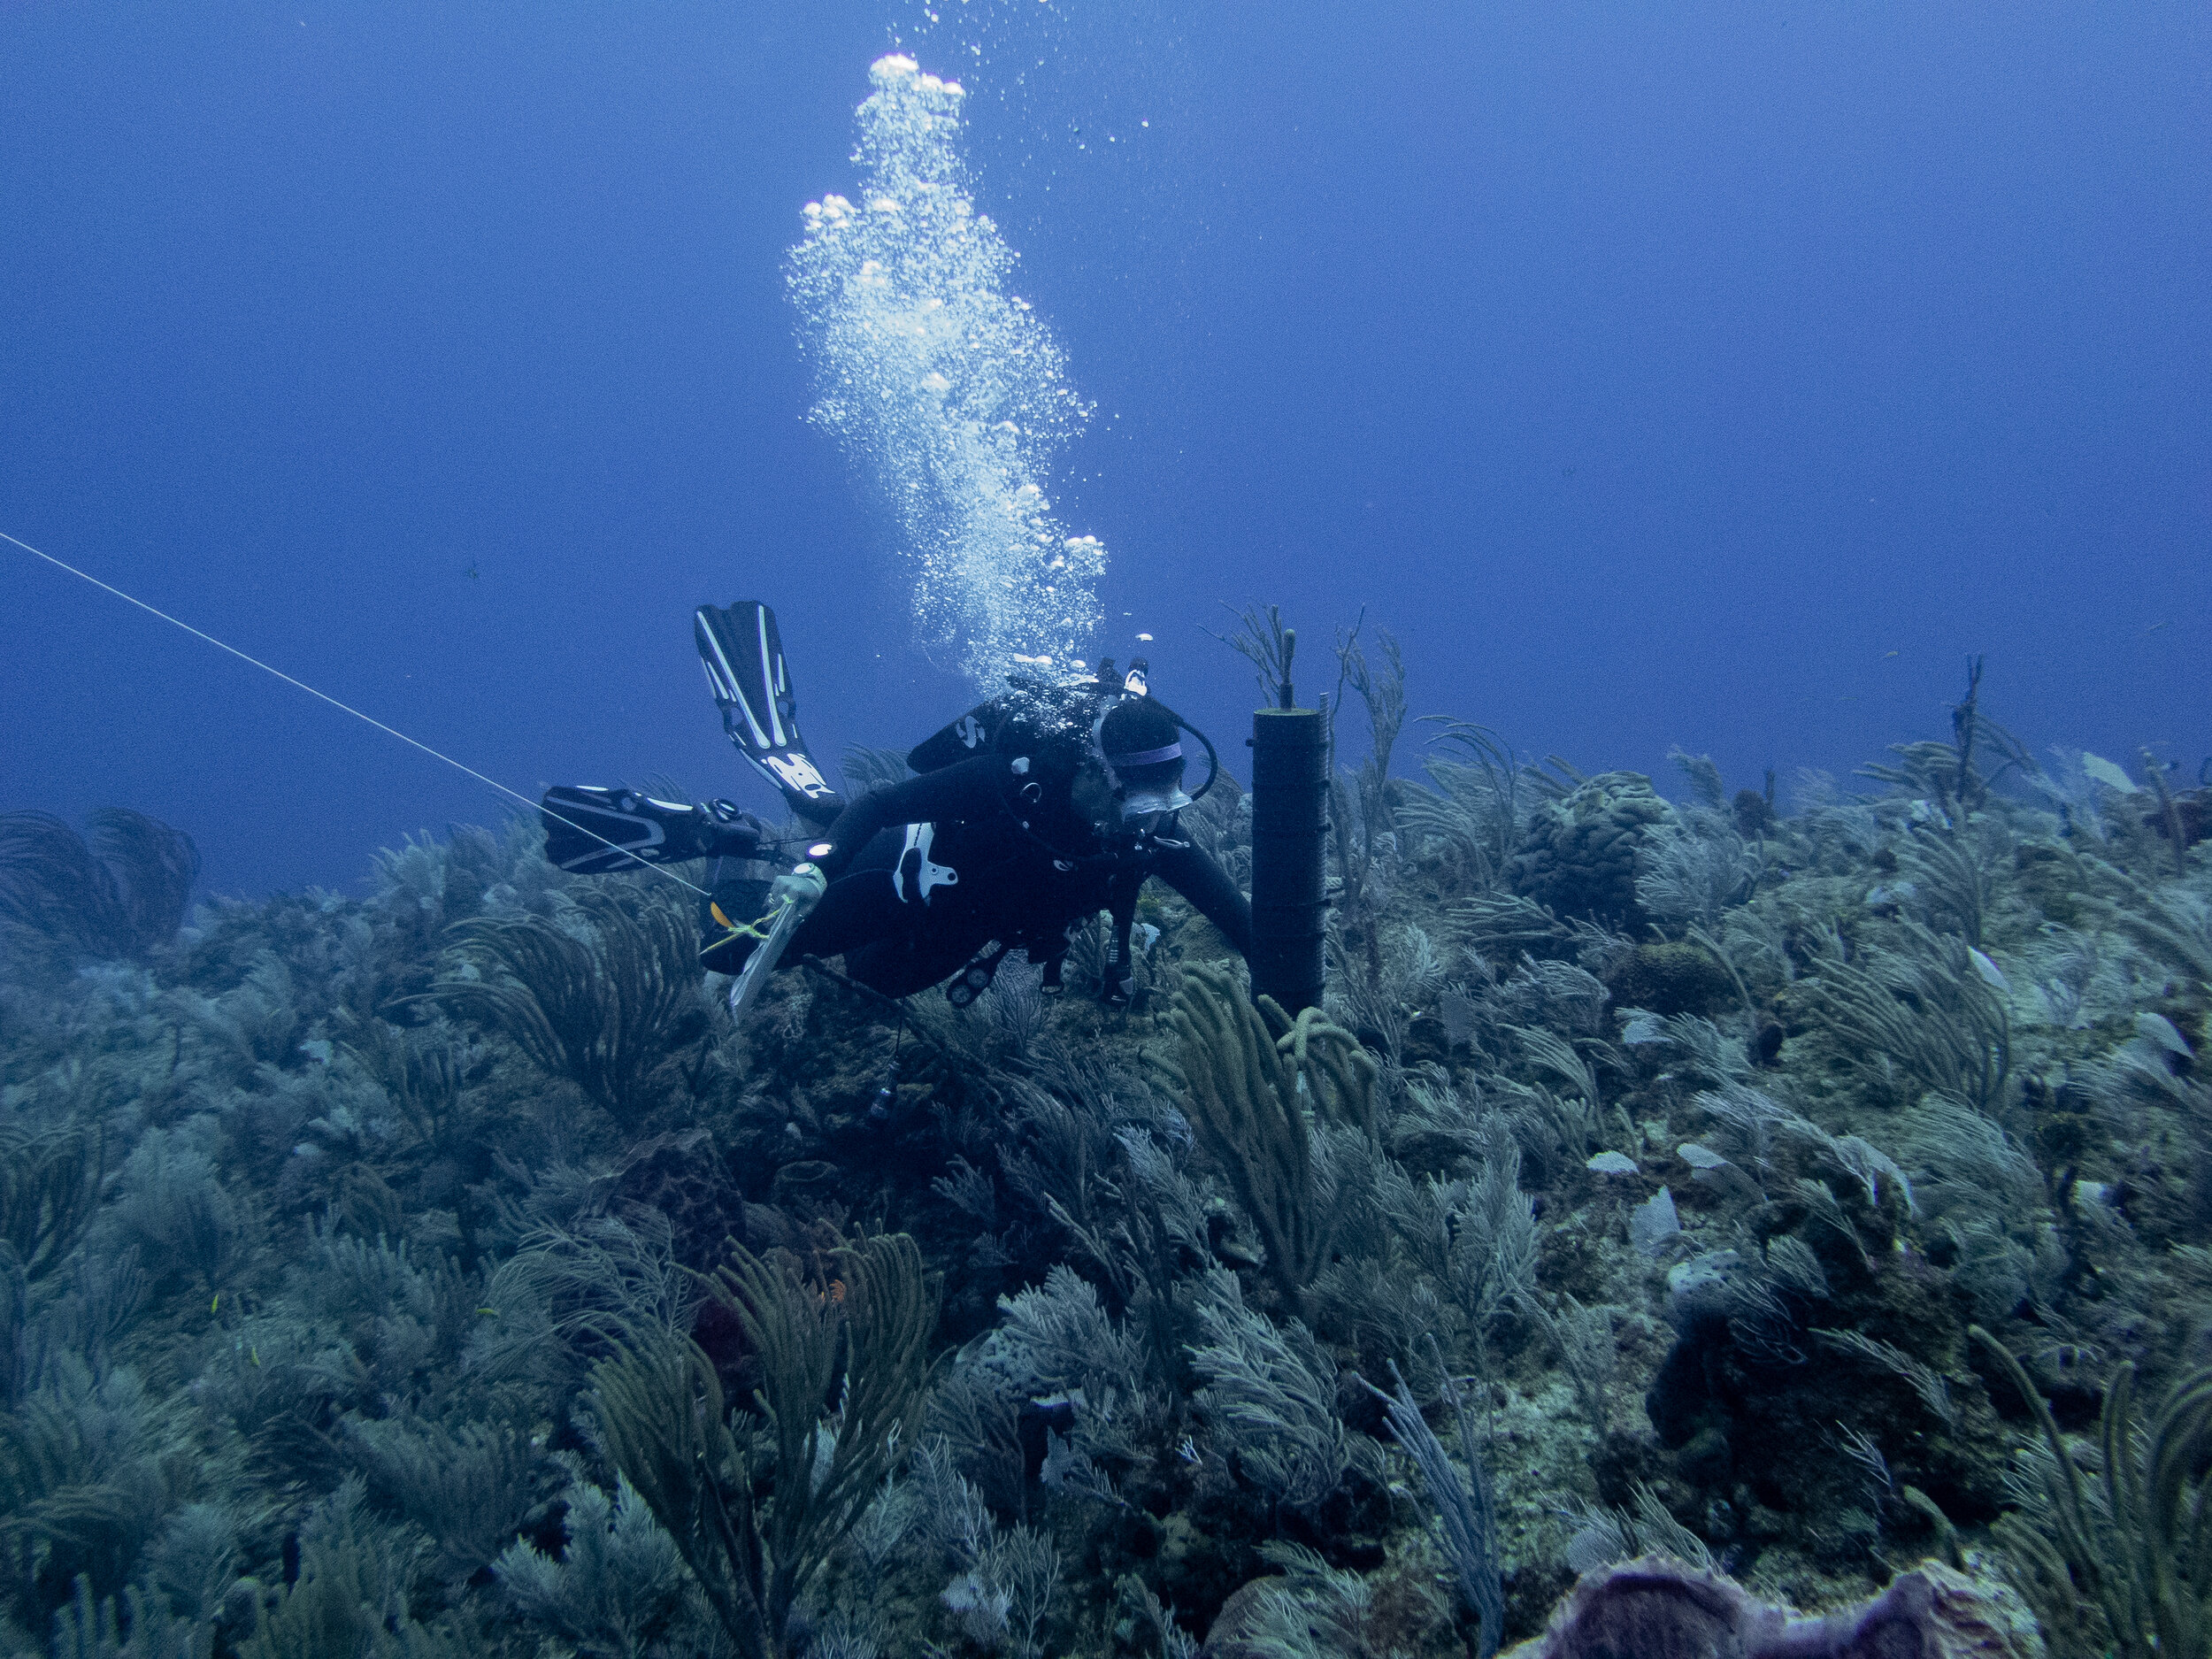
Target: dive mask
[(1138, 805)]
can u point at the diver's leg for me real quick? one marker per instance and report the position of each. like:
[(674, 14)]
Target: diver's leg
[(891, 945), (856, 911), (860, 906), (737, 889), (914, 961)]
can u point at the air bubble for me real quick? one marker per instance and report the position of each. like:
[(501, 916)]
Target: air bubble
[(953, 391)]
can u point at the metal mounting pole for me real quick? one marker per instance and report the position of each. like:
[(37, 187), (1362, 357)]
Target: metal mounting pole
[(1290, 795)]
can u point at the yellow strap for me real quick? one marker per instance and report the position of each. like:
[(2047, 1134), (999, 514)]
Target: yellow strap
[(749, 929)]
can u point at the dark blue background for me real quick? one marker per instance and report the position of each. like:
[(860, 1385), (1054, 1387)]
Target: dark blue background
[(1718, 374)]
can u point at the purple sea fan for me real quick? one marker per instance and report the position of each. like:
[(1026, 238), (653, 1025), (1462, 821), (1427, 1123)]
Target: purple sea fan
[(1657, 1608)]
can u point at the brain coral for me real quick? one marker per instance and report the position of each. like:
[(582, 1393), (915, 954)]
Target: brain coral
[(1579, 854)]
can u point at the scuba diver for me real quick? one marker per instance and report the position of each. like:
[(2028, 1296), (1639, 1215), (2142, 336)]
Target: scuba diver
[(1026, 817)]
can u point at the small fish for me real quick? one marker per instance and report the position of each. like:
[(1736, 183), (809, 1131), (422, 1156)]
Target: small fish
[(1887, 655), (215, 1305), (2154, 628), (470, 573)]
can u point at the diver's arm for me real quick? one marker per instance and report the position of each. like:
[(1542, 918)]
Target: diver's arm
[(966, 790), (1121, 968), (1207, 885)]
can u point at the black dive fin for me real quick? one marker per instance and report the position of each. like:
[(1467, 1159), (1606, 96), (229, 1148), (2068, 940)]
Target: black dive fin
[(582, 821), (743, 656), (594, 832)]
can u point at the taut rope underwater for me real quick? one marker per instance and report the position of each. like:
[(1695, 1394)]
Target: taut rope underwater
[(493, 783)]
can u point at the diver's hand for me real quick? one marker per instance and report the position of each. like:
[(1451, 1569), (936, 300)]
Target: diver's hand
[(803, 887), (725, 832)]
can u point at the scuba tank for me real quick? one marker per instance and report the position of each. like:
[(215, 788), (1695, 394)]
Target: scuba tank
[(1046, 721), (1054, 726)]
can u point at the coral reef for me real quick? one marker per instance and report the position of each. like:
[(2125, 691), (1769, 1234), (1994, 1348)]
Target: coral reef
[(1750, 1204)]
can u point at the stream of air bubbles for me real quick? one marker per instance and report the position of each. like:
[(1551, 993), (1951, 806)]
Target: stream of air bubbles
[(947, 387)]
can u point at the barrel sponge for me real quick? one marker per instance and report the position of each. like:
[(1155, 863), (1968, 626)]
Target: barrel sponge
[(1657, 1606)]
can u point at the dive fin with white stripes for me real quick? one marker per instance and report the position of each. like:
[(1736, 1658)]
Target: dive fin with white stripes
[(591, 831), (743, 655)]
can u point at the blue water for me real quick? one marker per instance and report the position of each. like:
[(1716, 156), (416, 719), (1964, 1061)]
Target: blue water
[(1711, 375)]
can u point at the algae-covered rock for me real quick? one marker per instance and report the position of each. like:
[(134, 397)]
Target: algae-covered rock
[(1578, 854)]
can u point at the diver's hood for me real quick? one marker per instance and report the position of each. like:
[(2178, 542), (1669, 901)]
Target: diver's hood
[(1146, 802)]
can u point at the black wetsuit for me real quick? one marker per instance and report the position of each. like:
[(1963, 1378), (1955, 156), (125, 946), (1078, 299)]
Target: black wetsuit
[(925, 873)]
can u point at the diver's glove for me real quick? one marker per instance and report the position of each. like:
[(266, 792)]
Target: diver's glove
[(731, 941), (803, 887)]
